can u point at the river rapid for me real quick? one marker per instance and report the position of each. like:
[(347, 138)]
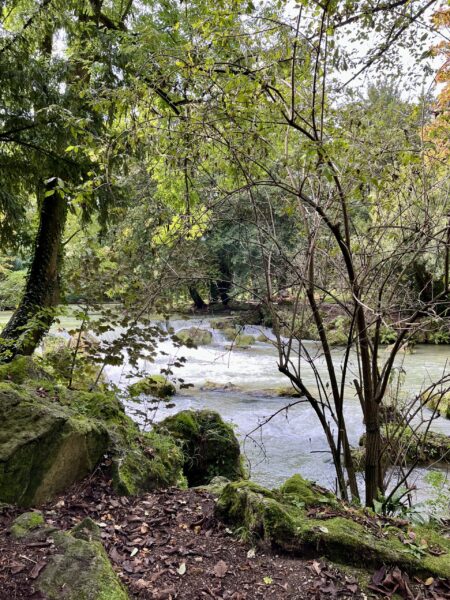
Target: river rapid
[(292, 442)]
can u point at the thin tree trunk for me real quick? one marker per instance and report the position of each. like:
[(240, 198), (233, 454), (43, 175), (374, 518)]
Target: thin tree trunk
[(373, 477), (34, 315)]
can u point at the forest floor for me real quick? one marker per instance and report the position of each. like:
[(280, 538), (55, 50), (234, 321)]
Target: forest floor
[(169, 545)]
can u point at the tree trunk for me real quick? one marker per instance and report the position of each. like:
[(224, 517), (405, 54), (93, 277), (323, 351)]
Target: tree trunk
[(196, 298), (373, 476), (34, 315)]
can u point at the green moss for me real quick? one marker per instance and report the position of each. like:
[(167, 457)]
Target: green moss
[(87, 530), (299, 490), (155, 385), (209, 445), (195, 336), (216, 485), (25, 523), (230, 333), (43, 446), (150, 462), (51, 437), (282, 518), (22, 369), (287, 392), (80, 570), (244, 341), (408, 444), (438, 402)]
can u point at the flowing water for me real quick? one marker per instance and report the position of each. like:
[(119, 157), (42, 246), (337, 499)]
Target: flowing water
[(292, 441)]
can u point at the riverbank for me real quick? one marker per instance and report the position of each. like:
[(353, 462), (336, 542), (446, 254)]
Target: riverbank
[(169, 544)]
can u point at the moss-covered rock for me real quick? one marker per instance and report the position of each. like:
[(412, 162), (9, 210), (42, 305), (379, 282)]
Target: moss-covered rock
[(284, 518), (230, 333), (21, 370), (25, 523), (287, 392), (212, 386), (44, 446), (195, 336), (406, 444), (239, 339), (437, 402), (51, 437), (209, 445), (154, 385), (79, 569), (151, 461), (87, 530), (244, 340)]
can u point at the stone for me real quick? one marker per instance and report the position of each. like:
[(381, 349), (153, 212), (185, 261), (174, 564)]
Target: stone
[(284, 519), (195, 336), (154, 385), (44, 447), (209, 445), (25, 523)]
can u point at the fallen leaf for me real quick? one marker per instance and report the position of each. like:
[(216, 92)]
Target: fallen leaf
[(220, 569), (17, 567), (429, 581), (181, 569), (251, 553), (134, 552), (37, 569)]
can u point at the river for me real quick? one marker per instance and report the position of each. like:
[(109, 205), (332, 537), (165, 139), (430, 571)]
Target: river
[(293, 441)]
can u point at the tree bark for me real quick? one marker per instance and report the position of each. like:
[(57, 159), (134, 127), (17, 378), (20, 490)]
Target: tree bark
[(373, 475), (34, 315), (196, 298)]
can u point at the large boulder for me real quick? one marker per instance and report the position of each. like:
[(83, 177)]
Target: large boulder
[(149, 462), (77, 569), (209, 445), (51, 437), (44, 447), (304, 519)]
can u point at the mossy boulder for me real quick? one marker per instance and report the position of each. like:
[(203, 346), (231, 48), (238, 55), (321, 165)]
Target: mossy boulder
[(244, 340), (195, 336), (22, 370), (79, 569), (287, 392), (230, 333), (154, 385), (44, 446), (87, 530), (296, 519), (51, 437), (238, 338), (209, 445), (150, 461), (212, 386)]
